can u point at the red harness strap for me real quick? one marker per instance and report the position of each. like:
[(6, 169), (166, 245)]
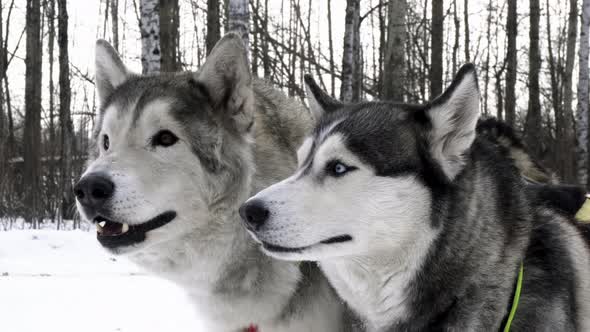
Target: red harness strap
[(251, 328)]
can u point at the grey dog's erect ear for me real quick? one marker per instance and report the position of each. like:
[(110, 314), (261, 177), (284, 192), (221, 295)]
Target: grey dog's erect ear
[(453, 116), (226, 76), (110, 70), (319, 101)]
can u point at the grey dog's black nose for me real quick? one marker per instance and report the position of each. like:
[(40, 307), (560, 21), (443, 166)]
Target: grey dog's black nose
[(254, 214), (93, 190)]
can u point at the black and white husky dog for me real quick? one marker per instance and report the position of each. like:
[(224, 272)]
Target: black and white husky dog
[(420, 224)]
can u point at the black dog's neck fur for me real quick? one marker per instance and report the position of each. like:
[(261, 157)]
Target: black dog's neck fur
[(460, 271)]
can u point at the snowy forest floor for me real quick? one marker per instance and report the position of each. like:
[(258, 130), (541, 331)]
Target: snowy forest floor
[(63, 281)]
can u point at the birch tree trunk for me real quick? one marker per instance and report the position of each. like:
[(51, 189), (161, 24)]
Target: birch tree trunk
[(436, 54), (393, 86), (348, 50), (213, 24), (568, 139), (533, 125), (239, 20), (511, 31), (32, 130), (169, 26), (150, 36), (582, 114), (66, 125)]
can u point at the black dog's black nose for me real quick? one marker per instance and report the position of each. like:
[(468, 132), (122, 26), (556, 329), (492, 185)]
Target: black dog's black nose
[(93, 190), (254, 214)]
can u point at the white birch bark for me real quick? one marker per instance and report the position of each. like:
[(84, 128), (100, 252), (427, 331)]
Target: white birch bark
[(582, 114), (150, 36), (239, 20)]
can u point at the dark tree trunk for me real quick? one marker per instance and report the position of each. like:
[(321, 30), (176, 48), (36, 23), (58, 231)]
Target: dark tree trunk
[(2, 112), (169, 25), (66, 125), (395, 68), (467, 36), (331, 50), (487, 61), (511, 30), (583, 86), (533, 135), (213, 24), (457, 33), (568, 139), (265, 54), (32, 130), (349, 51), (436, 54), (382, 46), (115, 23), (50, 13), (254, 50)]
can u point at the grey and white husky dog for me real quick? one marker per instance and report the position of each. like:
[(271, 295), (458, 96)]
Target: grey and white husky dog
[(421, 225), (174, 156)]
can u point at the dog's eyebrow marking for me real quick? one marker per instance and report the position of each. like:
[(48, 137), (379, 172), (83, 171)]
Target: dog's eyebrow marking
[(303, 151), (146, 107), (307, 164)]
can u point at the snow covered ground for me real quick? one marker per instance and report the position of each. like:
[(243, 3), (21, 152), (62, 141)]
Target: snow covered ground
[(63, 281)]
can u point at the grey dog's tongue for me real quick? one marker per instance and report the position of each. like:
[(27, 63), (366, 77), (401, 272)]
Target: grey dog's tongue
[(112, 229)]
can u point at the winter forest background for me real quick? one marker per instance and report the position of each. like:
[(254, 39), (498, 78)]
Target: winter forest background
[(532, 59)]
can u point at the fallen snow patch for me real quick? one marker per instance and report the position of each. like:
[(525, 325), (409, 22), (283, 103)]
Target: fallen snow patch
[(63, 281)]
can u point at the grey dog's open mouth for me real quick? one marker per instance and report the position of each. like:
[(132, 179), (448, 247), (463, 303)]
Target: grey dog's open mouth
[(335, 239), (112, 234)]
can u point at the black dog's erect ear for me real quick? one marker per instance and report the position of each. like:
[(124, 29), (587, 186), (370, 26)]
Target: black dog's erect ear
[(110, 70), (227, 79), (319, 101), (453, 116)]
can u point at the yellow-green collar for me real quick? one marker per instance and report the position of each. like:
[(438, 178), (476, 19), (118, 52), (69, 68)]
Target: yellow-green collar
[(515, 300), (583, 214)]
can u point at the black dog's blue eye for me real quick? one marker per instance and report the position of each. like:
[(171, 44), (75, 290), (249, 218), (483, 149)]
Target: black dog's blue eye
[(337, 168), (340, 169), (164, 138)]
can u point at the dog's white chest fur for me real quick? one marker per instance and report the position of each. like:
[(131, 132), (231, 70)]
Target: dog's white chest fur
[(375, 291)]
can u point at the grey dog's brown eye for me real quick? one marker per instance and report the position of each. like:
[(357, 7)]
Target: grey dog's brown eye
[(164, 138), (105, 142)]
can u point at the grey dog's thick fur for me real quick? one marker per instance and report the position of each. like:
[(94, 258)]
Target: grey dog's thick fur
[(480, 226), (236, 136)]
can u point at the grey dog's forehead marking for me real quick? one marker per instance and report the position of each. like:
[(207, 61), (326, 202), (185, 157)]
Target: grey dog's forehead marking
[(180, 89)]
